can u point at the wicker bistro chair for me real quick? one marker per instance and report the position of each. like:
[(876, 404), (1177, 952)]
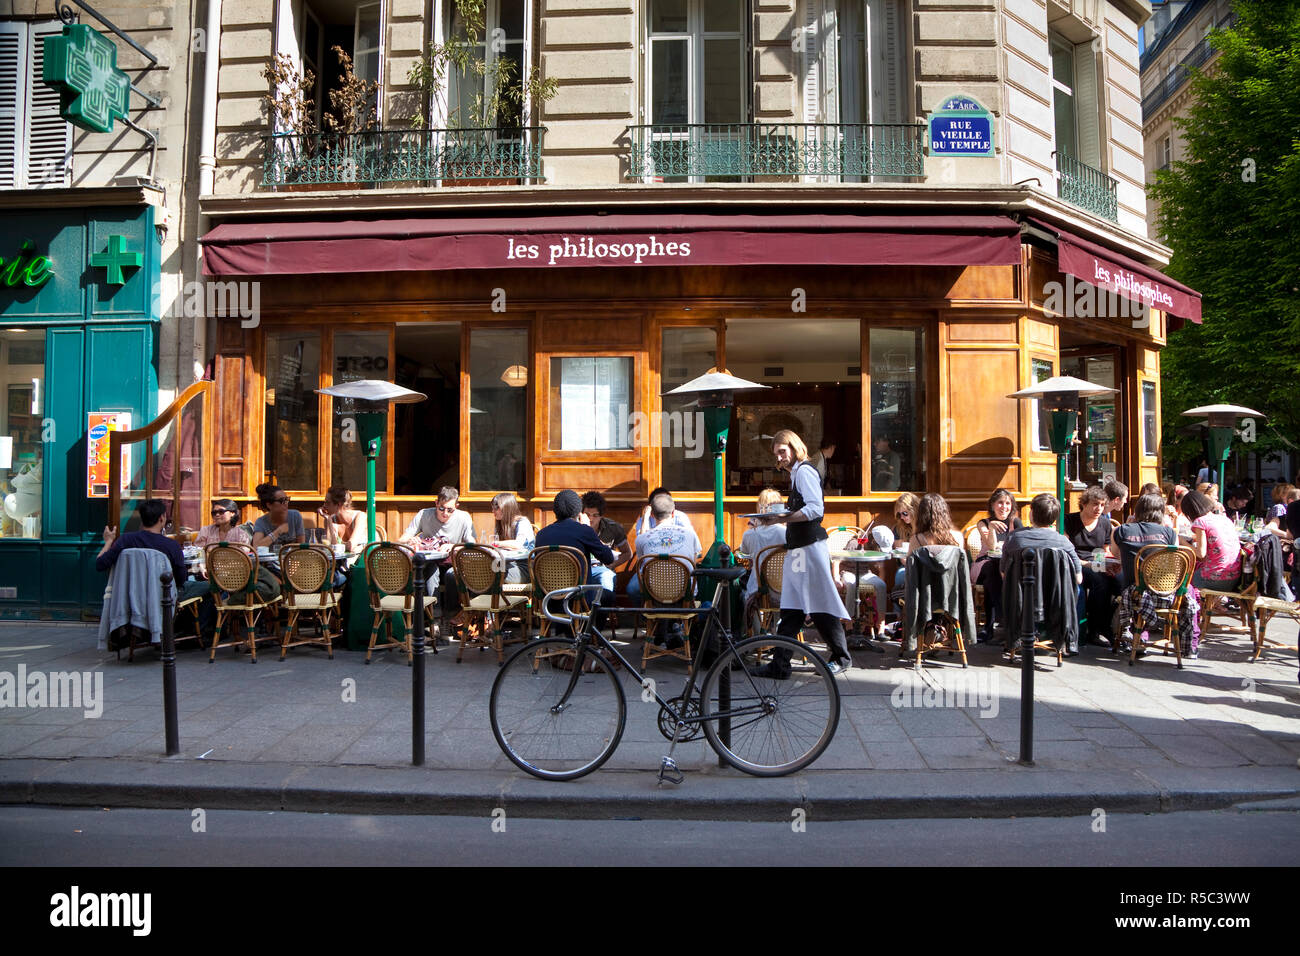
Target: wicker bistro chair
[(480, 579), (1246, 595), (769, 565), (1266, 608), (1165, 571), (390, 573), (970, 534), (308, 573), (552, 568), (232, 571), (667, 585)]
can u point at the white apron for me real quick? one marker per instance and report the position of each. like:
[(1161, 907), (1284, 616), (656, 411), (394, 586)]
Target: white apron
[(807, 584)]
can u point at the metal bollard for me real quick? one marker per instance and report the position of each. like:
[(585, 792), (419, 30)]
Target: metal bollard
[(1027, 590), (417, 669), (170, 722)]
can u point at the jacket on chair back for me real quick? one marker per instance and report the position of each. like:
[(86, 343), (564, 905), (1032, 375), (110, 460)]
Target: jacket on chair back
[(1056, 609), (938, 579)]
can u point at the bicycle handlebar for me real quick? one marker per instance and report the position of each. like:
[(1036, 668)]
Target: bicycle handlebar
[(565, 595)]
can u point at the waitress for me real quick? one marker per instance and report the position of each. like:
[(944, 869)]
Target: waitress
[(807, 587)]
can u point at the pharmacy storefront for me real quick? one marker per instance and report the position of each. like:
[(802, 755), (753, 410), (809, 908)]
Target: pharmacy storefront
[(78, 355)]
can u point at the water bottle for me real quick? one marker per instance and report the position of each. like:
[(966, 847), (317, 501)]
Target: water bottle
[(1099, 560)]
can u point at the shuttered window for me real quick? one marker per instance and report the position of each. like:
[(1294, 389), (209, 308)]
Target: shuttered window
[(35, 142)]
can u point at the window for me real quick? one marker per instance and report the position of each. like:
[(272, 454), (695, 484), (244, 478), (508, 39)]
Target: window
[(897, 410), (1166, 152), (292, 377), (499, 378), (308, 30), (426, 435), (501, 36), (1150, 446), (357, 355), (22, 371), (687, 464), (1075, 101), (591, 403), (696, 68), (35, 141), (1042, 371)]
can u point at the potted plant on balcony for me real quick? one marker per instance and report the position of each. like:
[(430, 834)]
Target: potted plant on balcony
[(339, 155), (485, 142)]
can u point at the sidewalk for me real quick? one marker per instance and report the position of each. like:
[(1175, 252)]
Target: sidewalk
[(316, 734)]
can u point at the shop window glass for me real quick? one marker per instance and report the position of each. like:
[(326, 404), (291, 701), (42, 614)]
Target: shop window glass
[(815, 388), (591, 403), (1150, 448), (499, 378), (897, 410), (357, 355), (292, 376), (22, 367), (687, 465), (426, 435), (1042, 369)]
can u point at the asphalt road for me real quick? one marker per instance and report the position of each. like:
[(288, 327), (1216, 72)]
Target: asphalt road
[(1268, 836)]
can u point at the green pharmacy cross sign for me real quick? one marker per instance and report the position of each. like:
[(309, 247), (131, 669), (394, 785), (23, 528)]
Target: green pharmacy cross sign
[(82, 63), (114, 259)]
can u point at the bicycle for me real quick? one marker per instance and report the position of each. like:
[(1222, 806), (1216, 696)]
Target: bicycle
[(558, 710)]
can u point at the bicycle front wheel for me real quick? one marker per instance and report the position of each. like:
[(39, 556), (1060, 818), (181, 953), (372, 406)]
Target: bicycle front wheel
[(551, 722), (777, 726)]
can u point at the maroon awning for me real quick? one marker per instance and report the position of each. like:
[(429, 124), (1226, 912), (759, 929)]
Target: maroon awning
[(1117, 273), (295, 247)]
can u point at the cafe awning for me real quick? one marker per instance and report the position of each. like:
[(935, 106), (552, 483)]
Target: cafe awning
[(331, 247), (1115, 272)]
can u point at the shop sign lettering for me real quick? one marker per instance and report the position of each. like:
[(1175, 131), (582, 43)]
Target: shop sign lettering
[(360, 363), (26, 268), (1133, 286), (562, 250)]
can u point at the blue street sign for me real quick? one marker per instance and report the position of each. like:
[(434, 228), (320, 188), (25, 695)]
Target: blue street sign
[(961, 127)]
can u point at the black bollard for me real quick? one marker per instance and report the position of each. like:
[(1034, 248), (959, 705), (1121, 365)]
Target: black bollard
[(170, 723), (724, 679), (1027, 591), (417, 671)]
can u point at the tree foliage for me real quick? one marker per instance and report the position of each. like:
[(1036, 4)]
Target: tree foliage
[(1230, 211)]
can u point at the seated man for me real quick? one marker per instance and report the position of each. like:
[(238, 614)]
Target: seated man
[(438, 529), (666, 537), (153, 518), (572, 529), (1042, 534), (612, 535)]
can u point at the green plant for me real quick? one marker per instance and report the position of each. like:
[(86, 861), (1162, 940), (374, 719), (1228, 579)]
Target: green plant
[(464, 53)]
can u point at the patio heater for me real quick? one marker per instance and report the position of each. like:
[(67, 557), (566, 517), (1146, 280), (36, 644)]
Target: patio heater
[(1223, 425), (1060, 401), (372, 398), (716, 393)]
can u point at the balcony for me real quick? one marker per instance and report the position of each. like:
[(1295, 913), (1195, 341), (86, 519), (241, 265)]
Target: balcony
[(1176, 78), (406, 157), (1087, 188), (749, 151)]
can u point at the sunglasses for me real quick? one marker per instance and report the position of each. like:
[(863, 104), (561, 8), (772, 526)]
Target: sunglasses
[(905, 514), (221, 511), (446, 511), (281, 500)]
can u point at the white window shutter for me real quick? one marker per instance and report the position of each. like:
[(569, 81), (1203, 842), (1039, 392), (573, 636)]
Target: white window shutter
[(49, 135), (1087, 108), (894, 76), (13, 58), (829, 42), (812, 97)]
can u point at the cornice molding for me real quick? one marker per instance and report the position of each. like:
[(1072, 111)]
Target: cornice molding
[(78, 197)]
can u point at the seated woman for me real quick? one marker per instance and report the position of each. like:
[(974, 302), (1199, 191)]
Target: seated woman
[(1149, 526), (763, 533), (281, 524), (904, 528), (512, 530), (934, 529), (223, 528), (343, 524), (1089, 531), (1283, 495), (1215, 541), (1001, 521)]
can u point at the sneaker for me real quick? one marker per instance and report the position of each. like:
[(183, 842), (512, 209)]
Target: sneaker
[(1194, 654), (839, 667), (770, 672)]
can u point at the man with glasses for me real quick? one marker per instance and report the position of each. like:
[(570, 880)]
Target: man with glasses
[(439, 529)]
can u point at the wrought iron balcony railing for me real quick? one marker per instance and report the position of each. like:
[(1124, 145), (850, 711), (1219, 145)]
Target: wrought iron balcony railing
[(1087, 188), (1175, 79), (741, 151), (415, 156)]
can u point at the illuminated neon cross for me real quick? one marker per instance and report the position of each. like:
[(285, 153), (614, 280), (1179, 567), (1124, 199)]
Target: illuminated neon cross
[(114, 259), (82, 63)]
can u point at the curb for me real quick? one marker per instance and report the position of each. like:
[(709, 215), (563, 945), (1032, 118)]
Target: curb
[(620, 795)]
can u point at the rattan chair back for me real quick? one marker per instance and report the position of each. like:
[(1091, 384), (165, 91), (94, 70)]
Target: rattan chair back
[(971, 536), (479, 570), (666, 579), (307, 568), (389, 569), (770, 563), (232, 568), (1164, 569), (838, 538), (554, 567)]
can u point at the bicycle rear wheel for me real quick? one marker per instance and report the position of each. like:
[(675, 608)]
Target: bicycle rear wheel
[(548, 723), (777, 726)]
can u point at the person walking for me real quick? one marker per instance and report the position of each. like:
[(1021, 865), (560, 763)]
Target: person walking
[(807, 588)]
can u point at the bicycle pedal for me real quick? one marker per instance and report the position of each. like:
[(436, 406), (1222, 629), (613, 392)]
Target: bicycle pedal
[(668, 771)]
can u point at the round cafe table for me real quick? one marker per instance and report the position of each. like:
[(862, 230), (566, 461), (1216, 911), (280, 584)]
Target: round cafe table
[(861, 560)]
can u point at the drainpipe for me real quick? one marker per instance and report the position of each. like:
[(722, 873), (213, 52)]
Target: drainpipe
[(207, 166)]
